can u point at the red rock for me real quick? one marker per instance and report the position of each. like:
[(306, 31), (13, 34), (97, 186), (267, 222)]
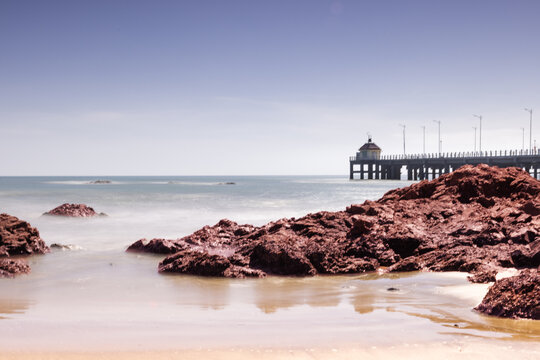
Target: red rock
[(73, 210), (157, 246), (17, 237), (476, 219), (205, 264), (11, 267), (514, 297)]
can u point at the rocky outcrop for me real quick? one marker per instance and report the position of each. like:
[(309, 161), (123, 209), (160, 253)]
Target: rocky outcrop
[(17, 238), (73, 210), (514, 297), (477, 219)]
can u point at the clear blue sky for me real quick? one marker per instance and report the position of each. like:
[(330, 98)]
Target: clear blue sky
[(257, 87)]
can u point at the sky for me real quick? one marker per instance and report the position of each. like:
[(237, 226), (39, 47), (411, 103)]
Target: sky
[(251, 87)]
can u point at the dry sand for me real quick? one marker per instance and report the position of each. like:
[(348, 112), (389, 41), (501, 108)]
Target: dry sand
[(465, 350)]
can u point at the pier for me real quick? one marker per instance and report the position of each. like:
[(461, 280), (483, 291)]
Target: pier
[(369, 164)]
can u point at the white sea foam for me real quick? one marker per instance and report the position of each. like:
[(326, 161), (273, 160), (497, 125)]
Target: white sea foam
[(473, 293)]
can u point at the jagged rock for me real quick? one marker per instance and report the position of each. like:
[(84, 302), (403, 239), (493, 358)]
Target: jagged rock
[(514, 297), (476, 219), (205, 264), (157, 246), (17, 237), (11, 267), (74, 210)]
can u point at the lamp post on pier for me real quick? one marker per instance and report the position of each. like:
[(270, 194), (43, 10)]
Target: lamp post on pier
[(480, 136)]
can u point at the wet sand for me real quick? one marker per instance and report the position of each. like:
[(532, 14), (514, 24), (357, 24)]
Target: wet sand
[(425, 315)]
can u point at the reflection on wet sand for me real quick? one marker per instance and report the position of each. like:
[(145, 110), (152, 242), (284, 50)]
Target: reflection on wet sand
[(275, 293), (364, 299), (485, 327), (207, 293), (13, 306), (194, 311)]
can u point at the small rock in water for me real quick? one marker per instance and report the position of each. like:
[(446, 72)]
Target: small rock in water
[(17, 237), (63, 247), (100, 182), (74, 210)]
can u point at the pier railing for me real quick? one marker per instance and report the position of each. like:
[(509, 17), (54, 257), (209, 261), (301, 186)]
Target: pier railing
[(452, 155)]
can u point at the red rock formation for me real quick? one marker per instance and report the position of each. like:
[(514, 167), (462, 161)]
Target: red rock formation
[(514, 297), (476, 219), (206, 264), (17, 237), (73, 210)]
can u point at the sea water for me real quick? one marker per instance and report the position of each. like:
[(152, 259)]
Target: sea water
[(97, 296)]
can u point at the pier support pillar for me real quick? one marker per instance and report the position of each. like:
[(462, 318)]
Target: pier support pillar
[(421, 172)]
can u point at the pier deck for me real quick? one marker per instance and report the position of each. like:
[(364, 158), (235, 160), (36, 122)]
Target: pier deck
[(430, 166)]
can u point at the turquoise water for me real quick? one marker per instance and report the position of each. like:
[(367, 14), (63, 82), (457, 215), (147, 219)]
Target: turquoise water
[(96, 296)]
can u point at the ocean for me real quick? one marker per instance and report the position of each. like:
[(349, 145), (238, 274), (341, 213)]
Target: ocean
[(97, 296)]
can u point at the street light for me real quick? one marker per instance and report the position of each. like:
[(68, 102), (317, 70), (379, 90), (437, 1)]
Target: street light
[(530, 129), (439, 142), (474, 127), (403, 126), (480, 136)]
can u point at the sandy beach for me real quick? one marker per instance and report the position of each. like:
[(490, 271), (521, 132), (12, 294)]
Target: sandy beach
[(457, 350)]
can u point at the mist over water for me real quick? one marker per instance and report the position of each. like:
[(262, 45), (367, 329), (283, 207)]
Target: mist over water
[(98, 296)]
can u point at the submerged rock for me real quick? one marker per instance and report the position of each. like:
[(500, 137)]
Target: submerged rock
[(477, 219), (74, 210), (514, 297), (17, 238)]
